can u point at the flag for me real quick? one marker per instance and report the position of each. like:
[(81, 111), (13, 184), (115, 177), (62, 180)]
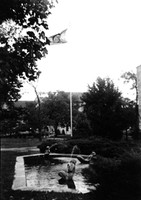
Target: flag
[(58, 38)]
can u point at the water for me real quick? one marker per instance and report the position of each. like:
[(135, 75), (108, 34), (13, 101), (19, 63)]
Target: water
[(45, 176), (75, 150)]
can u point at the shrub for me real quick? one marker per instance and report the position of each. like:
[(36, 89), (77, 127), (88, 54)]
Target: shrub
[(120, 177)]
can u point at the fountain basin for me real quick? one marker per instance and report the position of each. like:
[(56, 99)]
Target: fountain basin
[(40, 172)]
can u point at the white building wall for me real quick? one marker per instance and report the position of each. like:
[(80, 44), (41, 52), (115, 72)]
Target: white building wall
[(139, 92), (65, 130)]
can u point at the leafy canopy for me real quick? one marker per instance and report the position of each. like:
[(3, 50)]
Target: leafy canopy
[(56, 108), (23, 40), (103, 105)]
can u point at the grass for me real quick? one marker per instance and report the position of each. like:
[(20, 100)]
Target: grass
[(18, 143), (117, 169)]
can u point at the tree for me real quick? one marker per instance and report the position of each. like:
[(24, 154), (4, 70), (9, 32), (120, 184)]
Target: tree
[(128, 117), (82, 126), (56, 109), (10, 119), (38, 107), (32, 115), (103, 107), (23, 42), (130, 77)]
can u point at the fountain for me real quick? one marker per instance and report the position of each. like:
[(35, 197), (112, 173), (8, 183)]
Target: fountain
[(37, 172), (75, 150)]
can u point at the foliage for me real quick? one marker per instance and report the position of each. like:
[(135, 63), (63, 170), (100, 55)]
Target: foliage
[(32, 115), (23, 41), (82, 126), (130, 77), (10, 119), (52, 110), (56, 108), (119, 177), (103, 106), (129, 117)]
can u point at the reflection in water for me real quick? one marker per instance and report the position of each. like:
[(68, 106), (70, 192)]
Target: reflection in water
[(69, 183), (46, 175)]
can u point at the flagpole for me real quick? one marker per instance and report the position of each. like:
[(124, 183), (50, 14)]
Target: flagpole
[(71, 112), (59, 38)]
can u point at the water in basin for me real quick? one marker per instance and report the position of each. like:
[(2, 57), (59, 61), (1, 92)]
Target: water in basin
[(44, 176)]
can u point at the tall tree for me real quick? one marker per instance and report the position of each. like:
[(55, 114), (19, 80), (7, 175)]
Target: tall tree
[(23, 40), (131, 77), (128, 117), (102, 104), (56, 108), (38, 106), (32, 115)]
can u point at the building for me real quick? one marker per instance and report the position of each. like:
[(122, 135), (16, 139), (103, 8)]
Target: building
[(139, 92)]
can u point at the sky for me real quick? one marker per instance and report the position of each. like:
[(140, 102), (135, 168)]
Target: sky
[(103, 40)]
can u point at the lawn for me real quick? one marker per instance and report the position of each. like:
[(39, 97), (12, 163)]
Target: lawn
[(118, 170), (17, 142)]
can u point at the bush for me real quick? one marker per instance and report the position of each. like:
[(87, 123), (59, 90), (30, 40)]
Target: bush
[(120, 178), (106, 165), (42, 147), (60, 147)]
